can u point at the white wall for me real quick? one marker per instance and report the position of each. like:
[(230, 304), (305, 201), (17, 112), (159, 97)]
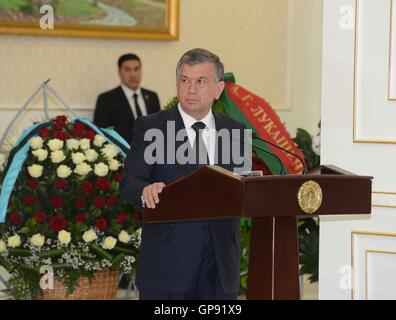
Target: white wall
[(272, 47), (305, 67), (364, 242)]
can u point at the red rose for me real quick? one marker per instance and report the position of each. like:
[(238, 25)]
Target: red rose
[(78, 129), (29, 200), (112, 200), (99, 202), (122, 218), (80, 218), (77, 133), (117, 176), (15, 218), (87, 187), (40, 216), (102, 183), (101, 224), (137, 216), (80, 203), (58, 223), (57, 202), (60, 184), (90, 134), (32, 183), (79, 125), (44, 133), (61, 135), (60, 122)]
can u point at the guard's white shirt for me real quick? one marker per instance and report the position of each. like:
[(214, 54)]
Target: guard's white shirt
[(129, 95)]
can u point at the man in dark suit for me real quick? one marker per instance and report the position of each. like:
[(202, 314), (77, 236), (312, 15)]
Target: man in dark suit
[(185, 260), (121, 106)]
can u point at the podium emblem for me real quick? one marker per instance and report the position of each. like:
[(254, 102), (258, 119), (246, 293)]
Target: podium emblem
[(310, 196)]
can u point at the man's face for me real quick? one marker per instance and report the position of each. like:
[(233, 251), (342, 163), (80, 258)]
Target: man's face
[(197, 88), (131, 73)]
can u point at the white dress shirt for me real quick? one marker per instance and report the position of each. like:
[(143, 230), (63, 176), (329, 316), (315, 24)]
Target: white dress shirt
[(129, 95), (208, 134)]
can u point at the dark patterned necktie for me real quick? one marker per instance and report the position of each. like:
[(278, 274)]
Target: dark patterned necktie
[(199, 148), (138, 110)]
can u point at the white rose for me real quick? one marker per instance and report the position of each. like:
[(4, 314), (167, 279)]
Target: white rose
[(36, 143), (57, 156), (3, 246), (89, 236), (35, 170), (109, 243), (64, 237), (124, 237), (99, 140), (78, 157), (14, 241), (40, 154), (55, 144), (83, 169), (85, 144), (109, 151), (91, 155), (63, 171), (37, 240), (72, 144), (101, 170), (114, 164)]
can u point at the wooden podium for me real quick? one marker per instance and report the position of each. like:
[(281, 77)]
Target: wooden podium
[(274, 203)]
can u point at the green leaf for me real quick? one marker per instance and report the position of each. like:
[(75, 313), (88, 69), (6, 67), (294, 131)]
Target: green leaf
[(117, 260), (28, 210), (128, 252), (51, 253), (25, 230), (19, 252), (114, 227), (95, 248), (5, 264)]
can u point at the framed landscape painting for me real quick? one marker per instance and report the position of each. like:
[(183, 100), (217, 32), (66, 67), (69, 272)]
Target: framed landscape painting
[(124, 19)]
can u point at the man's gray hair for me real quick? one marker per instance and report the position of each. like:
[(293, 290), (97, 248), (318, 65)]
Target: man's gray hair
[(197, 56)]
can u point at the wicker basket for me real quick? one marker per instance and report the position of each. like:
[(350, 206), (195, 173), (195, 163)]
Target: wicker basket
[(103, 286)]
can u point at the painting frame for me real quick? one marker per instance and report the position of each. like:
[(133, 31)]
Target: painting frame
[(170, 30)]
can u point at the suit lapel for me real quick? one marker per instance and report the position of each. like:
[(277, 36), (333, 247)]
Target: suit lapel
[(221, 124), (125, 106), (147, 98)]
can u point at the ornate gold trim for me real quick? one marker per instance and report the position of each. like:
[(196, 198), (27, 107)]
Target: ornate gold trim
[(390, 51), (310, 196), (368, 233), (169, 32), (366, 265), (355, 139), (382, 205)]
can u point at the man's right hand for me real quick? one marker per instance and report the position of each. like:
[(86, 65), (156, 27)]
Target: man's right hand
[(151, 194)]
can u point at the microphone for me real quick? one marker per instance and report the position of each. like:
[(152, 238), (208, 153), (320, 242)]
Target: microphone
[(282, 168), (256, 136)]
